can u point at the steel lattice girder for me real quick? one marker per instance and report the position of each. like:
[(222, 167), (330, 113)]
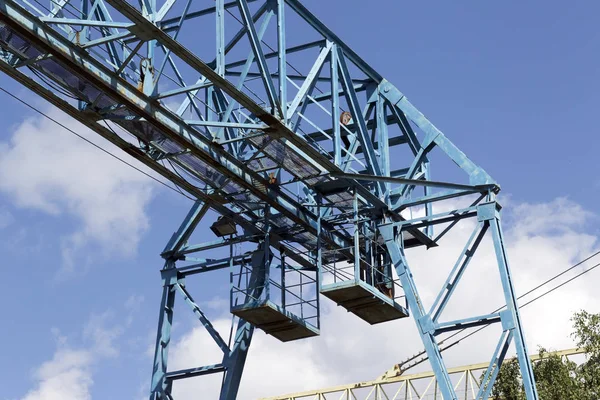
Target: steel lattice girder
[(113, 59), (395, 386)]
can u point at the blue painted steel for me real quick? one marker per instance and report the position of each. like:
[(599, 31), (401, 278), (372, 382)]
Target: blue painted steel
[(241, 147), (159, 383), (179, 238), (466, 323), (494, 368), (457, 272), (220, 34), (174, 282), (384, 146), (309, 82), (260, 57), (335, 101), (281, 55), (236, 358), (515, 326), (424, 324), (357, 116), (180, 286)]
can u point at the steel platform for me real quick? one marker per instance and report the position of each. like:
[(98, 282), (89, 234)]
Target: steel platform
[(274, 321), (364, 301)]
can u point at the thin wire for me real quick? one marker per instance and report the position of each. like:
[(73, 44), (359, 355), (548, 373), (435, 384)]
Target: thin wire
[(92, 143), (520, 307), (559, 275), (52, 84), (561, 285), (179, 190)]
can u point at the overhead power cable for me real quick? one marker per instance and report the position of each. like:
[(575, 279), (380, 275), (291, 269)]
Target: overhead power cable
[(93, 144), (457, 341)]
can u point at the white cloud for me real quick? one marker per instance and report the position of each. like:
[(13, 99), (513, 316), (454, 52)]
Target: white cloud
[(69, 374), (46, 168), (350, 350), (66, 376), (559, 216)]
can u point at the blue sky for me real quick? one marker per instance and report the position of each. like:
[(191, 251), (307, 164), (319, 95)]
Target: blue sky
[(514, 84)]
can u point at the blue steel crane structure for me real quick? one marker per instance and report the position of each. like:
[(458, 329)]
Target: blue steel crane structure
[(261, 113)]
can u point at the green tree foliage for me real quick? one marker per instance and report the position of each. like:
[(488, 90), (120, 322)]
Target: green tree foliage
[(558, 378), (508, 383), (587, 336)]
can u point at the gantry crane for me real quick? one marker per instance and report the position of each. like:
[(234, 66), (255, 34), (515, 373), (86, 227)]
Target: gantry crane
[(314, 162)]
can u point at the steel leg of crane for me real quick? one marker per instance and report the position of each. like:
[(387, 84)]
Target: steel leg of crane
[(488, 214), (236, 359), (416, 308), (511, 319), (159, 386), (513, 310)]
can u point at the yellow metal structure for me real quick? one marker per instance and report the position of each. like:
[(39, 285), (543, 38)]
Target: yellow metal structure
[(392, 385)]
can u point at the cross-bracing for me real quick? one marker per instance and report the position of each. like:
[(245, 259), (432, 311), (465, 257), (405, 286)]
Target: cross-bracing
[(261, 113)]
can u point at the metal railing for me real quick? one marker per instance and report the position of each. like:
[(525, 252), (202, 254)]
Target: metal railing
[(371, 264), (285, 285)]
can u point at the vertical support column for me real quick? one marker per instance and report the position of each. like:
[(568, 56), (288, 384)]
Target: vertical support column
[(267, 249), (319, 274), (427, 192), (281, 47), (236, 360), (220, 16), (335, 106), (147, 66), (370, 276), (282, 255), (466, 385), (85, 37), (424, 324), (387, 261), (85, 7), (319, 243), (159, 386), (491, 212), (356, 237), (384, 146)]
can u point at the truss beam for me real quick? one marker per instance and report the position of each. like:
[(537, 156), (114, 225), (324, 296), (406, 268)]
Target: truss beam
[(387, 385)]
